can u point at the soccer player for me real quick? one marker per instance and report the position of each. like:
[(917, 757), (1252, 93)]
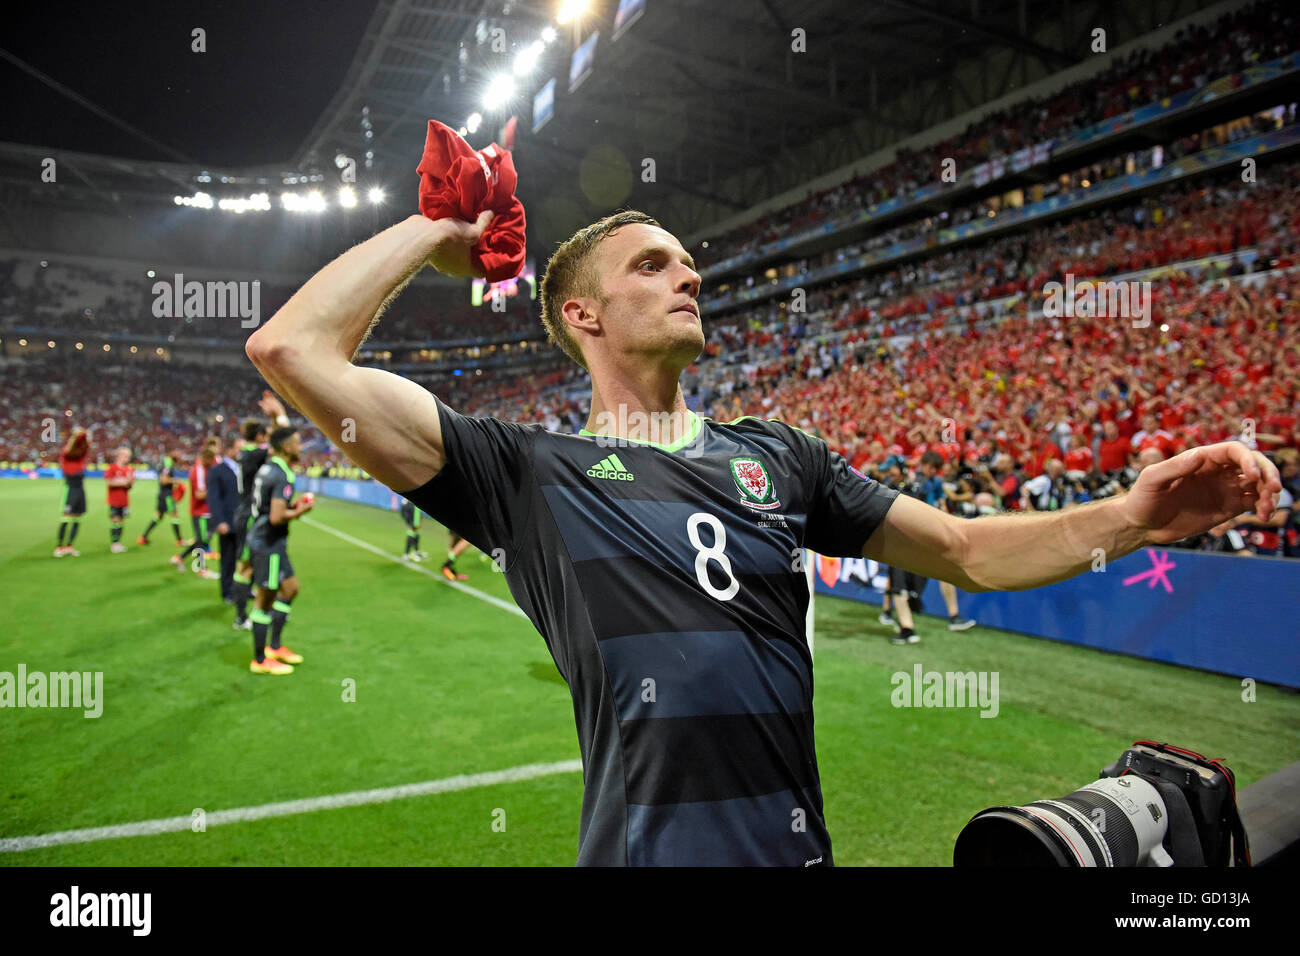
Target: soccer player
[(456, 547), (170, 471), (933, 494), (667, 584), (411, 518), (905, 587), (199, 512), (252, 457), (119, 477), (277, 585), (72, 462)]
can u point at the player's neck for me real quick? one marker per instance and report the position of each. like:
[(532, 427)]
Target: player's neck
[(624, 409)]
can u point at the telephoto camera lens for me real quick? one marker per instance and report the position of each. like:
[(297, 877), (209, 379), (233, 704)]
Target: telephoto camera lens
[(1116, 821)]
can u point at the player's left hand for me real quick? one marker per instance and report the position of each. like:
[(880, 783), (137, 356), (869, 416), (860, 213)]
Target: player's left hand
[(223, 528), (1200, 489)]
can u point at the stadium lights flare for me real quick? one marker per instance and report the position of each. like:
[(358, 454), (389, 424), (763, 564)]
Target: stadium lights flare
[(499, 92), (376, 195), (549, 35), (472, 124), (571, 10), (347, 197), (527, 58)]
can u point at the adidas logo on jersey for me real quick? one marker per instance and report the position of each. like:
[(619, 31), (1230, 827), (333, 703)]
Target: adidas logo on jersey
[(610, 468)]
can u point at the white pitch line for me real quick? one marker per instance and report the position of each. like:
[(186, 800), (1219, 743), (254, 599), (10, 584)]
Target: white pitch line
[(481, 595), (355, 798)]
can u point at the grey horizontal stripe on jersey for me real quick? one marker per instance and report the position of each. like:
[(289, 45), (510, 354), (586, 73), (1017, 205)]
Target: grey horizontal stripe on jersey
[(704, 673), (775, 829), (598, 526)]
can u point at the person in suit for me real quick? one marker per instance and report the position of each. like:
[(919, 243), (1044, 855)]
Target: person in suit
[(223, 497)]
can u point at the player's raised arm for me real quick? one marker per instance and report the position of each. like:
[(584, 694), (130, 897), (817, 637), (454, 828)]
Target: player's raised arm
[(1186, 495), (306, 349)]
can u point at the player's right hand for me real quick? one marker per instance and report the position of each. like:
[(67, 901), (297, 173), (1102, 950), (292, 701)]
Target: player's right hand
[(451, 255)]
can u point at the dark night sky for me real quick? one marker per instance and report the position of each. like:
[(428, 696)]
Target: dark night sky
[(270, 68)]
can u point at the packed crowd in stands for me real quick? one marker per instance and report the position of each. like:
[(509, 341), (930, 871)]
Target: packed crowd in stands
[(942, 364), (1021, 412), (62, 295), (1191, 59)]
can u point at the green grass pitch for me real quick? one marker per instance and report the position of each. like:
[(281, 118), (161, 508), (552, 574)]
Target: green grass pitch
[(447, 684)]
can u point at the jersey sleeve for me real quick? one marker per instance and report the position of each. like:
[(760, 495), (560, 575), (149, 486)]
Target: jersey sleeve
[(482, 492), (844, 506), (275, 486)]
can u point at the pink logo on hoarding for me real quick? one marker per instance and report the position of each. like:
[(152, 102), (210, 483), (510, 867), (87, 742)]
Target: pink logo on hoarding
[(1156, 574)]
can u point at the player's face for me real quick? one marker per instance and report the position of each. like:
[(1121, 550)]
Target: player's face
[(123, 457), (647, 279), (292, 448)]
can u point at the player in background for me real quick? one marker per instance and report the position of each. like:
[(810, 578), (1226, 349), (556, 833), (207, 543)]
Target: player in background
[(456, 547), (934, 495), (905, 586), (252, 456), (199, 513), (72, 462), (411, 518), (277, 585), (169, 472), (119, 476)]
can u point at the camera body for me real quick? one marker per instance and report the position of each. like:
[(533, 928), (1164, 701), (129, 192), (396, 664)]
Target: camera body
[(1206, 787), (1158, 805)]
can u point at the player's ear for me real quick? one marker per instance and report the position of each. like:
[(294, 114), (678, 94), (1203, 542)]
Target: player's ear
[(577, 314)]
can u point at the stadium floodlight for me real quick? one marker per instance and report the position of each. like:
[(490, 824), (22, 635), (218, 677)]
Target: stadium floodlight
[(376, 195), (312, 202), (472, 124), (259, 202), (528, 57), (549, 35), (201, 200), (499, 91), (347, 197), (570, 10)]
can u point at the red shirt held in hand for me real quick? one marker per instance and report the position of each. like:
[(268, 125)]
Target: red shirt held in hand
[(458, 183)]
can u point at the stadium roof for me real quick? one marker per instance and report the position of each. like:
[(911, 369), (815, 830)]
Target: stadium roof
[(713, 93)]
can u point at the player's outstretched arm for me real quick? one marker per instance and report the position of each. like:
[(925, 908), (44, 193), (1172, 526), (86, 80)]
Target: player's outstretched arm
[(1186, 495), (305, 351)]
